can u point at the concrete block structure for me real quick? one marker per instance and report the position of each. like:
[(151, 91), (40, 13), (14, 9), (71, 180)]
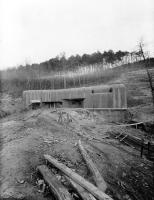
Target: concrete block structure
[(102, 96)]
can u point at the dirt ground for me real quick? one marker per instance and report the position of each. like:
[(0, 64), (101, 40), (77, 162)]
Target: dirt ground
[(27, 136)]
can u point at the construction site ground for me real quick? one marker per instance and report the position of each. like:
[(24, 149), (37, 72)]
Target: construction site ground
[(27, 136)]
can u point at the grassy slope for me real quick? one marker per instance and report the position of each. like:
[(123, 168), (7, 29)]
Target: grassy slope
[(139, 96), (133, 76), (137, 84)]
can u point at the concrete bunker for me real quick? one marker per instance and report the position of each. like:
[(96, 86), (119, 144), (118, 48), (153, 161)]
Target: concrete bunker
[(102, 96)]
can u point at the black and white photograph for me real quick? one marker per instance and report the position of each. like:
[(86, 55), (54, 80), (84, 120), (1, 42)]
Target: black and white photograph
[(76, 100)]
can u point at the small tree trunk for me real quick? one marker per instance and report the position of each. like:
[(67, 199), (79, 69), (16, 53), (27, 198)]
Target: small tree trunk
[(148, 73)]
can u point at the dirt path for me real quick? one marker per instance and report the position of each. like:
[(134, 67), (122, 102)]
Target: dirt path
[(25, 139)]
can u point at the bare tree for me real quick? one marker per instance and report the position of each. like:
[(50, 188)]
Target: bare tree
[(147, 63)]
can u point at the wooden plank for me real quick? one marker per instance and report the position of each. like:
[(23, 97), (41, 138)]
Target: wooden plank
[(78, 179), (101, 184), (81, 191), (118, 135), (123, 138), (59, 191), (133, 124)]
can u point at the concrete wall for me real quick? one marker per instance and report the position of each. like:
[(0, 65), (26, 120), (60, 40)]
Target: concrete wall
[(99, 100), (119, 97), (113, 115), (108, 96)]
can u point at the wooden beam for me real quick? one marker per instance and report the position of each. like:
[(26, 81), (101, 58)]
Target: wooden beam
[(101, 184), (59, 191), (123, 138), (78, 179), (85, 195)]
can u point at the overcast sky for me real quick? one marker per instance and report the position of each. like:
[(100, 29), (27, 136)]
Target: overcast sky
[(37, 30)]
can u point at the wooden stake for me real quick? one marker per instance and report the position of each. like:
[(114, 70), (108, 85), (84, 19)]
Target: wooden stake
[(142, 147), (149, 149)]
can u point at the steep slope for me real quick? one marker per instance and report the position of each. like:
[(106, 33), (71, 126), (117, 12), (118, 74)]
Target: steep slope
[(139, 96)]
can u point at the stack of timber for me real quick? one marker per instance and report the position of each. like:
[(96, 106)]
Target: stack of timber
[(92, 189), (85, 189)]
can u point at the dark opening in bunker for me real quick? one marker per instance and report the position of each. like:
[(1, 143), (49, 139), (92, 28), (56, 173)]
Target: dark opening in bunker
[(73, 103), (110, 90), (56, 104), (35, 104)]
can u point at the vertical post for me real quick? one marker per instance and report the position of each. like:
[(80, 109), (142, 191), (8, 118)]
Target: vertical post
[(142, 147), (149, 149), (147, 70)]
